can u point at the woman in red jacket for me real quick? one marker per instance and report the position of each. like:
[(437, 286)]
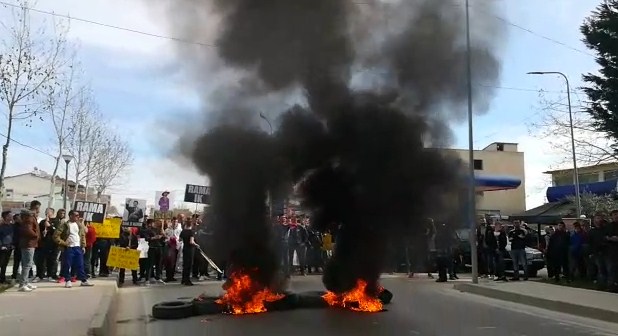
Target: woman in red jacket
[(91, 236)]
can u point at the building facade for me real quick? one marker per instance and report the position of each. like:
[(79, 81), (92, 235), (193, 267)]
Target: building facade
[(503, 160), (21, 189), (588, 174)]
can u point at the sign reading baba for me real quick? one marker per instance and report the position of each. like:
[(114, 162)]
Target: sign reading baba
[(91, 211), (197, 194)]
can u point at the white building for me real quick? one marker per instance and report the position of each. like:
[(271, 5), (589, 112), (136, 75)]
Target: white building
[(23, 188)]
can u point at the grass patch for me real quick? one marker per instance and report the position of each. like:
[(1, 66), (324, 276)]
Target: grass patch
[(583, 284), (4, 287)]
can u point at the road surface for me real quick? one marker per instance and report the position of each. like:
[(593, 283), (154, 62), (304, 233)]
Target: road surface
[(420, 307)]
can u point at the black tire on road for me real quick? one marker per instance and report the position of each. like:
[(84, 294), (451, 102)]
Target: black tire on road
[(207, 306), (172, 310)]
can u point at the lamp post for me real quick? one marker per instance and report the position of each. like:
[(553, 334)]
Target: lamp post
[(573, 154), (67, 159), (270, 199), (471, 179)]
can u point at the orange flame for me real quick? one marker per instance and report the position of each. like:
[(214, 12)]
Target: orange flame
[(356, 299), (244, 296)]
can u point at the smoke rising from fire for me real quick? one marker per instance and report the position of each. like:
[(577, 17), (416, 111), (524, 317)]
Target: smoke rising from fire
[(379, 81)]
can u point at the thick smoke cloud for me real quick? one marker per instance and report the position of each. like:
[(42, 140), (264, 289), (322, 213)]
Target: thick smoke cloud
[(358, 148)]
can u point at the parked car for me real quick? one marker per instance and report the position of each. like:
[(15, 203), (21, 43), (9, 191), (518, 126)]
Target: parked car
[(535, 258)]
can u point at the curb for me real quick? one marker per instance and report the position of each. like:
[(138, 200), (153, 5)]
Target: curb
[(102, 321), (554, 305)]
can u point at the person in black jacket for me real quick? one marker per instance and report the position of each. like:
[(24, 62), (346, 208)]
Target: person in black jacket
[(558, 252), (501, 242), (445, 239), (517, 237), (298, 239), (490, 250), (129, 241)]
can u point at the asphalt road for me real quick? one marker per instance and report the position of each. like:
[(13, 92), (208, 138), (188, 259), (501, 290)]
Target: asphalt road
[(420, 307)]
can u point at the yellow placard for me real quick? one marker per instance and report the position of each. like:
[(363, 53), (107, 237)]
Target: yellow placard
[(123, 258), (110, 228)]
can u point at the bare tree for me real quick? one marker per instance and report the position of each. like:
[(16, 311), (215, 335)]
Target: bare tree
[(591, 146), (29, 63), (84, 139), (113, 158), (61, 103)]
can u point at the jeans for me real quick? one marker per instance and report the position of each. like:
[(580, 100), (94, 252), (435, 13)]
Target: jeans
[(5, 255), (499, 261), (519, 258), (88, 267), (285, 259), (154, 263), (187, 263), (490, 261), (601, 263), (27, 259), (74, 260), (301, 253), (612, 271)]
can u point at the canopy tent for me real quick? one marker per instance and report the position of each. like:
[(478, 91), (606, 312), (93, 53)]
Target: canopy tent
[(555, 194), (493, 183), (549, 213)]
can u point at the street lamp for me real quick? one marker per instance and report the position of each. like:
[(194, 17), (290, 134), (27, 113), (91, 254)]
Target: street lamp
[(270, 199), (575, 171), (67, 159), (471, 179)]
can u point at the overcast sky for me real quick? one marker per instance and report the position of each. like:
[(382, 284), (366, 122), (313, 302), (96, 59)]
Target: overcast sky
[(138, 86)]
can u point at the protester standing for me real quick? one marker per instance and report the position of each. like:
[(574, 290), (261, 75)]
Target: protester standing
[(155, 240), (517, 236), (43, 253), (6, 243), (29, 240), (71, 236), (611, 237), (558, 252), (172, 240), (187, 236), (91, 237), (128, 241)]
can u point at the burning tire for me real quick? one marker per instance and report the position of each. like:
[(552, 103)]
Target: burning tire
[(172, 310), (312, 300), (385, 296), (288, 302), (207, 306)]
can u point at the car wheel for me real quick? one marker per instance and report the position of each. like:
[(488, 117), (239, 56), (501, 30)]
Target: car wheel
[(172, 310)]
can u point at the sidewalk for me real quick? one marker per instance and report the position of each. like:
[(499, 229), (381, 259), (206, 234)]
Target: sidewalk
[(575, 301), (52, 309)]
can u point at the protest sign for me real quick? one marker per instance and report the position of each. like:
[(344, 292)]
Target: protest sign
[(197, 194), (162, 214), (91, 211), (134, 211), (163, 201), (110, 228), (123, 258)]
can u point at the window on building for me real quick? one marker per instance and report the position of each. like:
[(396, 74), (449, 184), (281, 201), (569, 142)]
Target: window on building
[(610, 175), (478, 164), (563, 180), (500, 147), (588, 178)]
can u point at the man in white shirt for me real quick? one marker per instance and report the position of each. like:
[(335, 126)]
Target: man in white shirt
[(71, 236), (172, 239)]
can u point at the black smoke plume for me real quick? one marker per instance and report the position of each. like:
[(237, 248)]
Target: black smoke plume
[(377, 97)]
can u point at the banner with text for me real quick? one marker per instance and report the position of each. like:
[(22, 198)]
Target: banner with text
[(162, 214), (91, 211), (134, 212), (197, 194), (123, 258), (110, 228)]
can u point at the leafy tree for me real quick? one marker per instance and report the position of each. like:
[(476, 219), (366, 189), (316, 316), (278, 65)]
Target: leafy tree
[(600, 32), (592, 203)]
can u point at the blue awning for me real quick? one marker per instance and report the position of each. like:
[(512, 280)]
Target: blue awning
[(598, 188), (493, 183)]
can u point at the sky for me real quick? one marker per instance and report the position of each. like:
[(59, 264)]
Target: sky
[(139, 88)]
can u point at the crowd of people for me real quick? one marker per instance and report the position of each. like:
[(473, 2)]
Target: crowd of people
[(45, 243), (296, 237), (585, 252)]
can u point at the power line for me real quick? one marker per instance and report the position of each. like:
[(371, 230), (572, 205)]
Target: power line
[(28, 146), (212, 45)]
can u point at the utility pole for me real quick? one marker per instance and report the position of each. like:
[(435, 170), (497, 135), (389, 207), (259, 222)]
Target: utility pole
[(269, 193), (471, 178)]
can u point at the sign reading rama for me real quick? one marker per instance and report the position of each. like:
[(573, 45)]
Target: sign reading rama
[(197, 194), (91, 211)]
